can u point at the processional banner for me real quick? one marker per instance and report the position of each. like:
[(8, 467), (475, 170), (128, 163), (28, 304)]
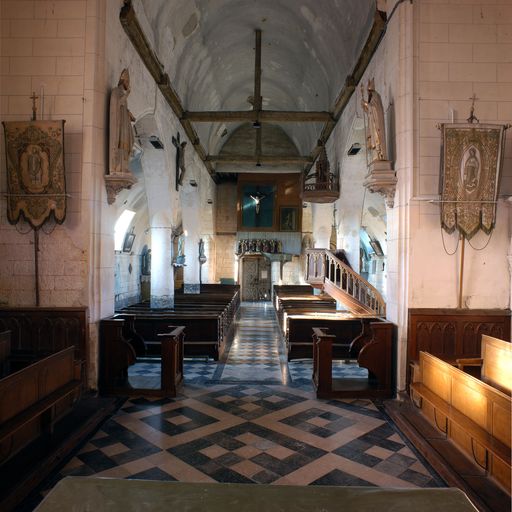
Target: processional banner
[(36, 185), (471, 162)]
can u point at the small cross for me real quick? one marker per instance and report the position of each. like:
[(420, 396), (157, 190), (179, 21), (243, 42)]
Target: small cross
[(472, 118), (34, 108)]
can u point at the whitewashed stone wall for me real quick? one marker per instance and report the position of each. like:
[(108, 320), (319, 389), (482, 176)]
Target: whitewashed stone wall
[(43, 49), (462, 49)]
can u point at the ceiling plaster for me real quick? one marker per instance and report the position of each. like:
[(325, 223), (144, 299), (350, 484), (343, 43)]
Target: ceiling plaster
[(309, 47)]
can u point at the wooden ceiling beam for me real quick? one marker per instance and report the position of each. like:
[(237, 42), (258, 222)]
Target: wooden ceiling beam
[(141, 44), (372, 42), (262, 159), (265, 116)]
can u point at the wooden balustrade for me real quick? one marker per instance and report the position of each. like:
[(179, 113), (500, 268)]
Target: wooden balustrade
[(324, 270)]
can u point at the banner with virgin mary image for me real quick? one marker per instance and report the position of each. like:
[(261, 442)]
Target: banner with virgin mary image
[(471, 162), (36, 185)]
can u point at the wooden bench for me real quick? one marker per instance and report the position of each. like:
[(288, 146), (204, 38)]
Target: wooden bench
[(117, 354), (37, 332), (451, 334), (298, 329), (5, 352), (374, 349), (495, 365), (33, 399), (475, 416)]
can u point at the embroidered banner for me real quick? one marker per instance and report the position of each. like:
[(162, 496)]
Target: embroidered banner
[(36, 185), (471, 162)]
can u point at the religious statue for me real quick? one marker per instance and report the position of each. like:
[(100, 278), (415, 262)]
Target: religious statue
[(180, 159), (471, 171), (121, 129), (376, 139), (257, 201)]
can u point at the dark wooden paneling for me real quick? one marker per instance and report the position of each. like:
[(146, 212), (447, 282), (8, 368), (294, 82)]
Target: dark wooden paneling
[(453, 333)]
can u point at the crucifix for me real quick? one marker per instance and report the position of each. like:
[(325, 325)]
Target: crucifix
[(257, 200), (34, 107), (180, 159)]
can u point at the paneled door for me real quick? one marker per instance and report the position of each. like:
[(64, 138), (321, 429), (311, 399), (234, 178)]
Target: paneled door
[(255, 278)]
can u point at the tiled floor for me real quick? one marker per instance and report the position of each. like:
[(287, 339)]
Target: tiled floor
[(252, 418)]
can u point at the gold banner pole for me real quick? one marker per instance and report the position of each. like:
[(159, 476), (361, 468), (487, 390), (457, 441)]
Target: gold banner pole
[(461, 276)]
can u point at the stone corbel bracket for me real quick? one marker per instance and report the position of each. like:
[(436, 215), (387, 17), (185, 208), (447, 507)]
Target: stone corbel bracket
[(382, 178), (114, 183)]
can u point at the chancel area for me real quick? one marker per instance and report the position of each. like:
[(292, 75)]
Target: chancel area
[(255, 254)]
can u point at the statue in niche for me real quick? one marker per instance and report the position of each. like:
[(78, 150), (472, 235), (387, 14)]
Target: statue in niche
[(376, 139), (180, 159), (121, 129), (146, 262)]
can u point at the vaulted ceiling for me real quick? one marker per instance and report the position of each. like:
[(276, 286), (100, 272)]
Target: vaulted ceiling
[(308, 49)]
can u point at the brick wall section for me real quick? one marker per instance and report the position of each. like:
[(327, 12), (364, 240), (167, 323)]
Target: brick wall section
[(42, 48)]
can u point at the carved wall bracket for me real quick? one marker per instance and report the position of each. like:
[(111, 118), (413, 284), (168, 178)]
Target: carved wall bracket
[(114, 183), (382, 178)]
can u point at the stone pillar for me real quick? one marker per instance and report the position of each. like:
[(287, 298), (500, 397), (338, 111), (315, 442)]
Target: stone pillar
[(162, 271), (191, 270)]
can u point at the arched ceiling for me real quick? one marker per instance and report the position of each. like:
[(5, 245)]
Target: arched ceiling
[(309, 47)]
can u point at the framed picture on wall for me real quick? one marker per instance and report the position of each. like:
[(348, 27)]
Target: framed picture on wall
[(377, 247), (288, 218), (128, 241)]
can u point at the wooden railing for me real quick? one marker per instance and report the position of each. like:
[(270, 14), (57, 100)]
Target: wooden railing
[(324, 270)]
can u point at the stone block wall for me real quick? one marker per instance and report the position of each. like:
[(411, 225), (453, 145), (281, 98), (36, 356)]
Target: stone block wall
[(42, 50)]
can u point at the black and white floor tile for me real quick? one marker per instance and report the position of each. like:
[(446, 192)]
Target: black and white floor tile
[(252, 418)]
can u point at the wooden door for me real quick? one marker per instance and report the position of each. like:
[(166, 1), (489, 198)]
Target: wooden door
[(255, 278)]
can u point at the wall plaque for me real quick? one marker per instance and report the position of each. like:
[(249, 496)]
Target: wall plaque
[(36, 185)]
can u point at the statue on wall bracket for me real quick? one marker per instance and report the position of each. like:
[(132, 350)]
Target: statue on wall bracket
[(180, 160), (471, 163), (381, 177), (121, 140)]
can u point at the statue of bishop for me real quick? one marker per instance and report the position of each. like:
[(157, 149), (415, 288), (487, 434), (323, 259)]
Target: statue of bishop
[(121, 137), (376, 139)]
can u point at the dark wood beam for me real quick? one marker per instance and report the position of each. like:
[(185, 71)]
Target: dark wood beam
[(257, 73), (265, 116), (141, 44), (372, 42), (262, 159)]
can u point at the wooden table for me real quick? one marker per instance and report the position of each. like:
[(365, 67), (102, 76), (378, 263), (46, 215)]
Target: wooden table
[(81, 494)]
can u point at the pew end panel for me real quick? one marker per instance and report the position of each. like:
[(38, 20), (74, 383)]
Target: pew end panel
[(376, 355)]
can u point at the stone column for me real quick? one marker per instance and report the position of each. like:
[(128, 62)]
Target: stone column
[(191, 270), (162, 271)]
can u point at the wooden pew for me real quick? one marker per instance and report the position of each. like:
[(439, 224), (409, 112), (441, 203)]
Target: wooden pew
[(475, 416), (452, 334), (207, 318), (117, 354), (374, 349), (495, 365), (37, 332), (33, 399), (298, 328), (5, 352)]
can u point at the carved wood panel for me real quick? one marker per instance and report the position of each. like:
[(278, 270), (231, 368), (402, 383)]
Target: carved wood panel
[(39, 332), (453, 333)]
